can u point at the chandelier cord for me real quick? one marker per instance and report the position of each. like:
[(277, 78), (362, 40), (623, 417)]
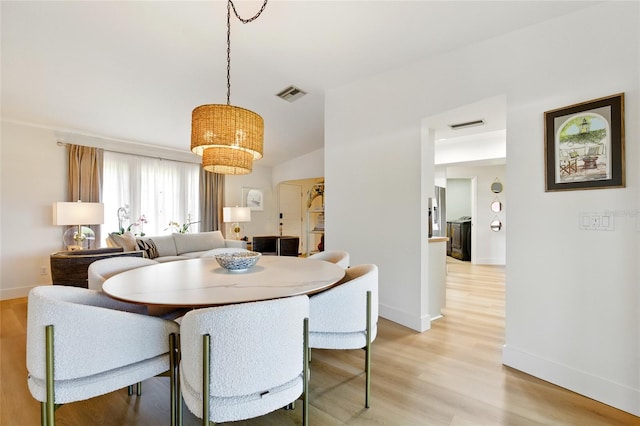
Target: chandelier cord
[(230, 5)]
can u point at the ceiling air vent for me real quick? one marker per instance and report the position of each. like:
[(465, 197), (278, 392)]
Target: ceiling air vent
[(291, 93), (467, 124)]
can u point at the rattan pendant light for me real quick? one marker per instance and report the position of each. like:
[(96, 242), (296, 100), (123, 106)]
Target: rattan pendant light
[(227, 161), (228, 137)]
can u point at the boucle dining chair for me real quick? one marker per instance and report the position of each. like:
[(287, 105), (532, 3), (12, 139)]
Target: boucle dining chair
[(346, 316), (81, 344), (246, 360), (101, 270), (339, 257)]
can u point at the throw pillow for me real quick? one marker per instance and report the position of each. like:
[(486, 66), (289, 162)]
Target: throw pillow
[(127, 241), (149, 248)]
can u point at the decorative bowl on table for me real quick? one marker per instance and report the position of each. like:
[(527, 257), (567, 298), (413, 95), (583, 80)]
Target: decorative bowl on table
[(238, 261)]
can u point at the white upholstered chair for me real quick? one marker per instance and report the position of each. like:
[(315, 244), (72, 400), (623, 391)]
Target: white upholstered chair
[(102, 269), (246, 360), (81, 344), (346, 316), (339, 257)]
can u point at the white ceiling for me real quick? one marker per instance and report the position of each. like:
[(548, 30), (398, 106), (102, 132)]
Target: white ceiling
[(135, 70)]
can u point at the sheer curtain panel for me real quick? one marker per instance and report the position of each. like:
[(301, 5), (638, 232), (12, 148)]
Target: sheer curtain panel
[(154, 192)]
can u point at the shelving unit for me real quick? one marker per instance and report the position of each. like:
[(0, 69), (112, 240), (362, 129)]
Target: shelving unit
[(315, 217), (315, 229)]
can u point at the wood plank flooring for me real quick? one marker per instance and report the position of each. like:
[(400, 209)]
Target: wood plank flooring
[(450, 375)]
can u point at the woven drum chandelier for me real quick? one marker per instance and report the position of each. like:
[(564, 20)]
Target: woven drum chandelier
[(229, 138)]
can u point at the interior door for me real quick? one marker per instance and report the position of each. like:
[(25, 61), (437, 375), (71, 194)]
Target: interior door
[(290, 207)]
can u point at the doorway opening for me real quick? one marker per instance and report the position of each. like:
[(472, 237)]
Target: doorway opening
[(301, 212), (467, 161)]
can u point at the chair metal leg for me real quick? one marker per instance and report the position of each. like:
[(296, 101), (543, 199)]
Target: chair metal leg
[(305, 374), (43, 414), (367, 362), (178, 389), (138, 387), (206, 360), (50, 403), (172, 377)]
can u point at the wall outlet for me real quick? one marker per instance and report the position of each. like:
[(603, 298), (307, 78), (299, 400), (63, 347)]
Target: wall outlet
[(43, 270)]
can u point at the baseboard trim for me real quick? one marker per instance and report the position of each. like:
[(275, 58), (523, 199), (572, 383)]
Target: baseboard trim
[(614, 394), (403, 318), (14, 293)]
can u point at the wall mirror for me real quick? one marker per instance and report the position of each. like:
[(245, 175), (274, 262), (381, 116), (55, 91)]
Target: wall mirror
[(496, 206), (496, 187), (496, 225)]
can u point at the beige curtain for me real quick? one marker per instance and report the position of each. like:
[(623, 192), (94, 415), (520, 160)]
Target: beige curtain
[(85, 178), (211, 201)]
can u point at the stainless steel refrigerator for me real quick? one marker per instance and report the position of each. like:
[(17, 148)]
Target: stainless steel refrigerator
[(437, 213)]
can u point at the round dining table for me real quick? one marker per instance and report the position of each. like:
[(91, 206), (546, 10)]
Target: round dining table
[(202, 282)]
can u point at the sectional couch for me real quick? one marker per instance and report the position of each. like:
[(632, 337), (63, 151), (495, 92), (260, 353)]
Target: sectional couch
[(176, 246)]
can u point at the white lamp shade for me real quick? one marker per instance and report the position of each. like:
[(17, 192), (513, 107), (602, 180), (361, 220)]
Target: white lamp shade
[(78, 213), (236, 214)]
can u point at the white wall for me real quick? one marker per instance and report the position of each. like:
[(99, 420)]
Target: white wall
[(304, 167), (458, 197), (262, 222), (33, 177), (572, 296)]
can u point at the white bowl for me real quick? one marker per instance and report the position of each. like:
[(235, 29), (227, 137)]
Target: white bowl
[(238, 261)]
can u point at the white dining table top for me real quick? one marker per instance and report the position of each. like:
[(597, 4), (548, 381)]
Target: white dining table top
[(202, 282)]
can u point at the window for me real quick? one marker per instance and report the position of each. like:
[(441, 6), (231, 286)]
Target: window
[(163, 191)]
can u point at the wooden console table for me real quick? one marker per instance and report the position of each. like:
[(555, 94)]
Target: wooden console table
[(70, 267)]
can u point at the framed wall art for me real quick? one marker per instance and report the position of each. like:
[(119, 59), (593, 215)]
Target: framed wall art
[(253, 198), (584, 145)]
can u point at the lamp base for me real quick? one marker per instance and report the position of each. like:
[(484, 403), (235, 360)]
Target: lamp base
[(235, 228), (74, 240)]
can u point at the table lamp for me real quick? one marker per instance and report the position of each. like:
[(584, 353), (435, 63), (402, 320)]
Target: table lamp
[(236, 215), (77, 214)]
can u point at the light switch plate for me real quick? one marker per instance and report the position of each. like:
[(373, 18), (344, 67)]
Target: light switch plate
[(595, 221)]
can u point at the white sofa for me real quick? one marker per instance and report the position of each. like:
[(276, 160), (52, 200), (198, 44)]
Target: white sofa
[(167, 248)]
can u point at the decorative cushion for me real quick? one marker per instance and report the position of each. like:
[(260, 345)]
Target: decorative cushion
[(165, 244), (127, 241), (149, 248)]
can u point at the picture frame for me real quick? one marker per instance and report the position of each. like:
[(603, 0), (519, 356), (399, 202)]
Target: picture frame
[(253, 198), (584, 145)]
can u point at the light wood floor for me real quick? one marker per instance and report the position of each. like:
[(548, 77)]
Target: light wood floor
[(449, 375)]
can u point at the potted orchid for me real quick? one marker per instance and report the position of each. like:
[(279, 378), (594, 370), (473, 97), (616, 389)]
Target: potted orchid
[(123, 214), (181, 229), (140, 222)]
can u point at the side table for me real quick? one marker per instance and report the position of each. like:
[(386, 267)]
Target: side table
[(70, 267)]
